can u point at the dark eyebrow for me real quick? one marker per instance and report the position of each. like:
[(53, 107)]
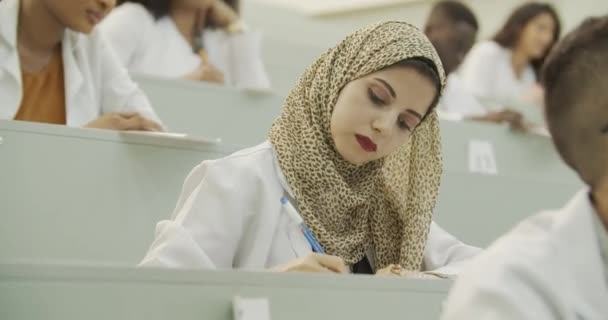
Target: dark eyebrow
[(388, 87), (605, 129), (414, 113)]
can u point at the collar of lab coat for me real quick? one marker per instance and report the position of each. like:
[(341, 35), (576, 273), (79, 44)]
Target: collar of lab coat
[(576, 233), (9, 13), (280, 174)]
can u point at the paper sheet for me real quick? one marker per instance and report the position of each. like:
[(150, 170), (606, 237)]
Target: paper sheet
[(174, 135), (250, 308), (481, 157)]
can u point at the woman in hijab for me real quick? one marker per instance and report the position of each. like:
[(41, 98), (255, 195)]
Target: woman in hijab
[(346, 183)]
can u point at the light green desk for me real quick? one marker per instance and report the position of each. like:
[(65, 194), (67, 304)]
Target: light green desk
[(477, 208), (75, 194), (242, 119), (70, 193), (518, 155), (238, 117), (32, 292), (531, 177)]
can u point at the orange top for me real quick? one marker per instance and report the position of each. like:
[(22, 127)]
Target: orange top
[(44, 93)]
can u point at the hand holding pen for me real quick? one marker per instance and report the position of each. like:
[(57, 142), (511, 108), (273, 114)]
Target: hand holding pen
[(314, 262), (317, 261)]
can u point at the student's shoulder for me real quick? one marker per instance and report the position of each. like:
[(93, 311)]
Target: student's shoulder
[(128, 18), (516, 277), (130, 10), (253, 163), (488, 48), (528, 251), (262, 153)]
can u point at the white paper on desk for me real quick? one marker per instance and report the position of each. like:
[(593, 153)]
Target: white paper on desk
[(239, 57), (481, 157), (174, 135), (250, 308)]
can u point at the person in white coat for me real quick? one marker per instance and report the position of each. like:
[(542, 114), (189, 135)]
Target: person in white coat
[(504, 70), (190, 39), (356, 150), (555, 265), (55, 68), (452, 28)]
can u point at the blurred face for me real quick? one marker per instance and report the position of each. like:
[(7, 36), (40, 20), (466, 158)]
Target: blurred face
[(376, 114), (79, 15), (537, 36), (452, 42), (194, 4)]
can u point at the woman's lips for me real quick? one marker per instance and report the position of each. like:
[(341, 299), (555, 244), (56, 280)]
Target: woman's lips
[(366, 143)]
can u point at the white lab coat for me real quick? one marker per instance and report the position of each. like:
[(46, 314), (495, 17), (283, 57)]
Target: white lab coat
[(548, 267), (229, 215), (157, 48), (487, 73), (457, 103), (95, 82)]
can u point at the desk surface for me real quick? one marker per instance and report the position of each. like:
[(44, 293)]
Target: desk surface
[(54, 292)]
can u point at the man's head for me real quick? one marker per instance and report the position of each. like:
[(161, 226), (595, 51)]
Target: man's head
[(452, 28), (576, 95)]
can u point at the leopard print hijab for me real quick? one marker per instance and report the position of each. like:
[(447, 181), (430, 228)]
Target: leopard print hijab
[(385, 205)]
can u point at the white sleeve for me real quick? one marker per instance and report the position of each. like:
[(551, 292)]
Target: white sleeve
[(118, 92), (444, 255), (457, 103), (494, 304), (208, 222), (125, 29), (494, 289), (239, 57), (478, 71)]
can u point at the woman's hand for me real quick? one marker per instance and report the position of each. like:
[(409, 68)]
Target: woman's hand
[(396, 270), (314, 262), (390, 270), (124, 121), (513, 118), (206, 72)]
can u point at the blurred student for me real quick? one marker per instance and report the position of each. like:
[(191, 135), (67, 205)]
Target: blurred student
[(452, 28), (55, 68), (505, 69), (201, 40)]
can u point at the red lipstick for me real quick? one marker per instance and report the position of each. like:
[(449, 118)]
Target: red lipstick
[(366, 143)]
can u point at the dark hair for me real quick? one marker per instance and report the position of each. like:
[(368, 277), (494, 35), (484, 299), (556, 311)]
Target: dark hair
[(573, 77), (428, 69), (510, 33), (456, 12), (160, 8)]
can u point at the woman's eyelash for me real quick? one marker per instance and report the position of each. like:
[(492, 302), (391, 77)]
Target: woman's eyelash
[(374, 98), (403, 125)]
